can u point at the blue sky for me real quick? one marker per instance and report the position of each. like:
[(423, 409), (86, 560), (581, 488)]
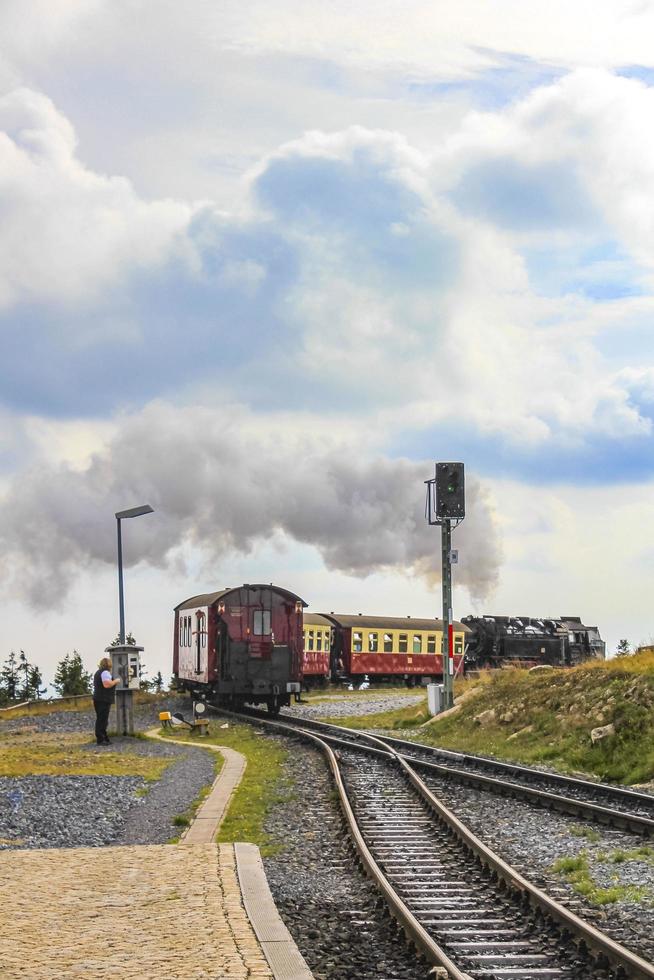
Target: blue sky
[(262, 271)]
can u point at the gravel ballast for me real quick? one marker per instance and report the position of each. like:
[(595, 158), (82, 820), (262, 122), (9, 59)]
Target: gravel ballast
[(95, 811)]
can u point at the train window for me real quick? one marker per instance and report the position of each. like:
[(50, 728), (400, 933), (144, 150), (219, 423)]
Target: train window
[(417, 643), (431, 643), (388, 642), (327, 640), (261, 623), (181, 631), (458, 645), (318, 640), (404, 641), (310, 640), (357, 642), (373, 642)]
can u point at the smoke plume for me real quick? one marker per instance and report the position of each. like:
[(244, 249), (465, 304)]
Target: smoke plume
[(222, 483)]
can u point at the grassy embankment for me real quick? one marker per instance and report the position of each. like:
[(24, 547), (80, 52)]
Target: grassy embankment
[(547, 717), (263, 784)]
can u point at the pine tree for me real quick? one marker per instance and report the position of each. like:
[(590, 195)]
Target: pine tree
[(129, 641), (35, 681), (24, 668), (144, 684), (623, 648), (158, 683), (9, 679), (70, 677)]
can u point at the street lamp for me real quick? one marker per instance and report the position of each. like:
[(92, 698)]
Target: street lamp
[(121, 515)]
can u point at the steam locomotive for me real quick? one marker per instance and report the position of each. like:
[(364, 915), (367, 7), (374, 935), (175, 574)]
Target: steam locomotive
[(494, 641)]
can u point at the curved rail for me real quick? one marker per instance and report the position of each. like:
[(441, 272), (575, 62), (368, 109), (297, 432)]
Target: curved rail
[(601, 945)]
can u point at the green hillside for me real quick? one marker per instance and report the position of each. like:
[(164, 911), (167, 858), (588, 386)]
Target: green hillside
[(547, 716)]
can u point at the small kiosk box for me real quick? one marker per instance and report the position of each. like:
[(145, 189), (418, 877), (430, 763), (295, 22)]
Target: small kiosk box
[(126, 665)]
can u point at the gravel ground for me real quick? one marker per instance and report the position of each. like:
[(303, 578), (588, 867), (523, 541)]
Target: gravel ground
[(337, 706), (94, 811)]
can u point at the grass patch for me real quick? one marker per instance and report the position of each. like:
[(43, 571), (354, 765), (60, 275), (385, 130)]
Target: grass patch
[(644, 853), (263, 784), (545, 717), (586, 832), (42, 754), (576, 872)]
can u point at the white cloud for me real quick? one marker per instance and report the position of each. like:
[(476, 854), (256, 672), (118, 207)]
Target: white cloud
[(67, 232)]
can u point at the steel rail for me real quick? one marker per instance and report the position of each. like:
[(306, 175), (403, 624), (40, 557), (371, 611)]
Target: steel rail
[(619, 956), (609, 816), (405, 918), (582, 809), (483, 762), (408, 922)]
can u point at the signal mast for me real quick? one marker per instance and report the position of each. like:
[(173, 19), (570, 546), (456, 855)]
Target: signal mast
[(446, 506)]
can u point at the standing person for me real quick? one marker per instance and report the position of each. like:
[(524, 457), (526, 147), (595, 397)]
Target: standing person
[(104, 695)]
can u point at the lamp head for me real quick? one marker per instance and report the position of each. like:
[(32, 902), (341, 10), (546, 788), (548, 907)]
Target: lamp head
[(134, 512)]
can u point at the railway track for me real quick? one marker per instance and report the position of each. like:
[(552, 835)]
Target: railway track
[(464, 908), (613, 806)]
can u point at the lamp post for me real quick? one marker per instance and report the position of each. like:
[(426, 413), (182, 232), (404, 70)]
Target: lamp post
[(125, 660), (121, 515)]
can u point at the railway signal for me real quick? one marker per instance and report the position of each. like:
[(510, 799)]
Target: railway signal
[(446, 504), (450, 491)]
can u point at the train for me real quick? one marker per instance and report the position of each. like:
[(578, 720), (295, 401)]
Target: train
[(240, 646), (255, 645)]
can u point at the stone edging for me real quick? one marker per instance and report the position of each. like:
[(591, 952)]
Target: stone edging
[(210, 815)]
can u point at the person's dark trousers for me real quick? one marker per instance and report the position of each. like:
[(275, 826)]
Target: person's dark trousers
[(102, 709)]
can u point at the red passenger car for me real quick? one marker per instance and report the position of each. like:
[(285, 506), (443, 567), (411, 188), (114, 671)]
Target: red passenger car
[(240, 645), (386, 647)]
